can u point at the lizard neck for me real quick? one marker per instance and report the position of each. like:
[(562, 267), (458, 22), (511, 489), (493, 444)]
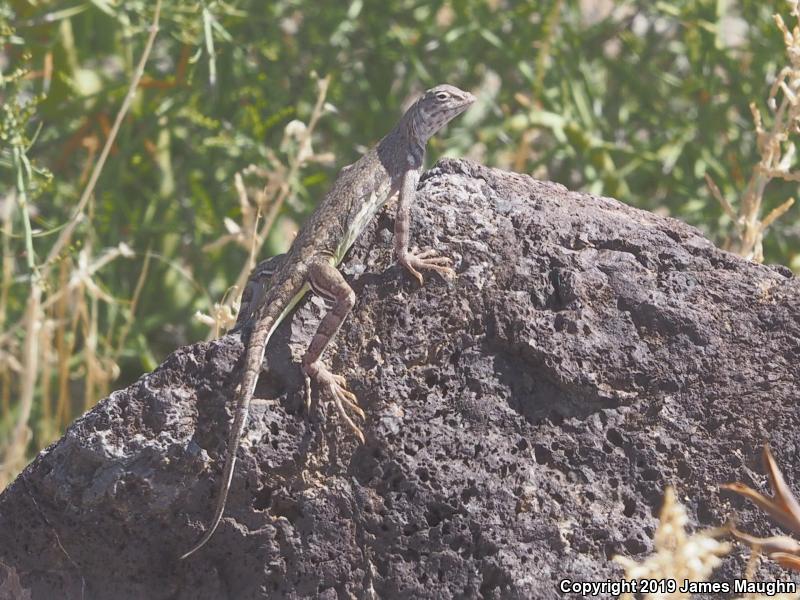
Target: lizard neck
[(403, 149), (412, 127)]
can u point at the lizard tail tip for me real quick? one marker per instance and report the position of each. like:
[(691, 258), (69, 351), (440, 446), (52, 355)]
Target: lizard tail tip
[(200, 544), (186, 555)]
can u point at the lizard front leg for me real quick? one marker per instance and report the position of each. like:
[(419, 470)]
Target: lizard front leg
[(327, 281), (413, 260)]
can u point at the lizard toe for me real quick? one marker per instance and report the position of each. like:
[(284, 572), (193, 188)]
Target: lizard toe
[(343, 399)]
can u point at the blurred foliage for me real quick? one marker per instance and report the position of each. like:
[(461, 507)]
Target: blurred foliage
[(634, 99)]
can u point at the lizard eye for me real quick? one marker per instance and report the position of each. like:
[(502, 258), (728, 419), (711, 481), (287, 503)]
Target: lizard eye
[(441, 96)]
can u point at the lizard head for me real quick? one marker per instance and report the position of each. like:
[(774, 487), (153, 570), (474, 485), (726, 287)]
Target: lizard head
[(437, 107)]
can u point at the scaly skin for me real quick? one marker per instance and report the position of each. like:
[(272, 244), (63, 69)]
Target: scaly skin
[(392, 167)]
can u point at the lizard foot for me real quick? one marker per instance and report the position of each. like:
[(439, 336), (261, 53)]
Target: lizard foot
[(342, 397), (427, 260)]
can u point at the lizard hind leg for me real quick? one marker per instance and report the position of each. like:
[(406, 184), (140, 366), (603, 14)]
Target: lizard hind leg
[(328, 282)]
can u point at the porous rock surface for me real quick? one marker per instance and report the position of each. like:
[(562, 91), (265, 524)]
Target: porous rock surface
[(522, 422)]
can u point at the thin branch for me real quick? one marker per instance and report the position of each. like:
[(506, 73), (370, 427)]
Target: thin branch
[(66, 233), (275, 205), (126, 328), (776, 213), (778, 174), (715, 191)]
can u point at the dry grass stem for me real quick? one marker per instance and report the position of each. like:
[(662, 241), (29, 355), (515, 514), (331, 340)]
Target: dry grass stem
[(14, 454), (48, 333), (784, 509), (776, 148), (678, 555), (279, 182)]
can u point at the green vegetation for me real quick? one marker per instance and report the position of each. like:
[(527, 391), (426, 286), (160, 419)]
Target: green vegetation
[(636, 99)]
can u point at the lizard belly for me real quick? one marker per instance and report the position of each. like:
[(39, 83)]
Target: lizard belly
[(289, 306), (361, 219)]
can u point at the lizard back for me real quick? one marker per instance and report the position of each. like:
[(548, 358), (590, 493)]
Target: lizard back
[(358, 193)]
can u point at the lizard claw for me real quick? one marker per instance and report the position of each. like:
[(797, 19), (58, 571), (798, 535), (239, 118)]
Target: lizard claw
[(337, 387), (307, 386), (427, 260)]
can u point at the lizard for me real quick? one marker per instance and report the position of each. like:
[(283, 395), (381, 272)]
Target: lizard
[(391, 169)]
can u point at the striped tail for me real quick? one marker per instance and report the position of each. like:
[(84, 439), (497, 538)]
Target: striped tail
[(262, 331)]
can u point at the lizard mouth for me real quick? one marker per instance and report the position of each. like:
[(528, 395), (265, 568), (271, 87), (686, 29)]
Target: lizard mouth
[(468, 101)]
